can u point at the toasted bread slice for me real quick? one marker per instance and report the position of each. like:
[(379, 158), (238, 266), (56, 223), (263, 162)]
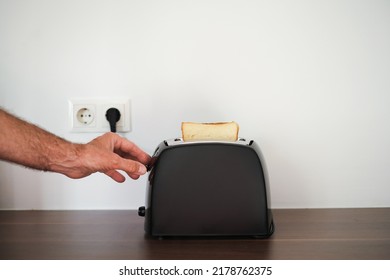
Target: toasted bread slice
[(221, 131)]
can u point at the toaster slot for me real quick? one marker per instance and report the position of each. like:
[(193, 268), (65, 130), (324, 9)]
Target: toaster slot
[(179, 141)]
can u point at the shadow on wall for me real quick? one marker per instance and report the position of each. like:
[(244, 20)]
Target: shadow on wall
[(288, 186)]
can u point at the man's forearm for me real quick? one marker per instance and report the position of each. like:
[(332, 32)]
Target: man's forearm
[(31, 146)]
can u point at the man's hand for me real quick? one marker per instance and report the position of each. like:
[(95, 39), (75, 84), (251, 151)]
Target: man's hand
[(108, 154)]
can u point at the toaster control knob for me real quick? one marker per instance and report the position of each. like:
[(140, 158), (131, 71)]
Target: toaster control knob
[(141, 211)]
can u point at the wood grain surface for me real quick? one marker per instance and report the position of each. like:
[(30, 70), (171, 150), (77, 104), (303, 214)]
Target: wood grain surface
[(302, 234)]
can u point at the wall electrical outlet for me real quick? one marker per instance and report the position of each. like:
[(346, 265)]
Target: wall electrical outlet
[(85, 116), (89, 115)]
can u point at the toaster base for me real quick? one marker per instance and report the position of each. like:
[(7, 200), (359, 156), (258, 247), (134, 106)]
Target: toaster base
[(215, 236)]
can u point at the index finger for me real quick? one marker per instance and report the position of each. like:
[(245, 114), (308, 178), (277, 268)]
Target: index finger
[(130, 150)]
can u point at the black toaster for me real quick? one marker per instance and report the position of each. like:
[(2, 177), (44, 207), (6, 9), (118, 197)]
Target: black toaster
[(207, 188)]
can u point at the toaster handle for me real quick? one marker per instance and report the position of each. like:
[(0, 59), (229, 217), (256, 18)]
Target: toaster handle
[(141, 211)]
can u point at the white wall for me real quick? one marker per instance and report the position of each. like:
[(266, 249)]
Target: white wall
[(308, 80)]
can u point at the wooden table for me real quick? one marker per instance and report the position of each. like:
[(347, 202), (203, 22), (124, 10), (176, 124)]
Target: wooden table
[(300, 234)]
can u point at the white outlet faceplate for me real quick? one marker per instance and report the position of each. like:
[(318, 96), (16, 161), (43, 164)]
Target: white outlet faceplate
[(89, 115)]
